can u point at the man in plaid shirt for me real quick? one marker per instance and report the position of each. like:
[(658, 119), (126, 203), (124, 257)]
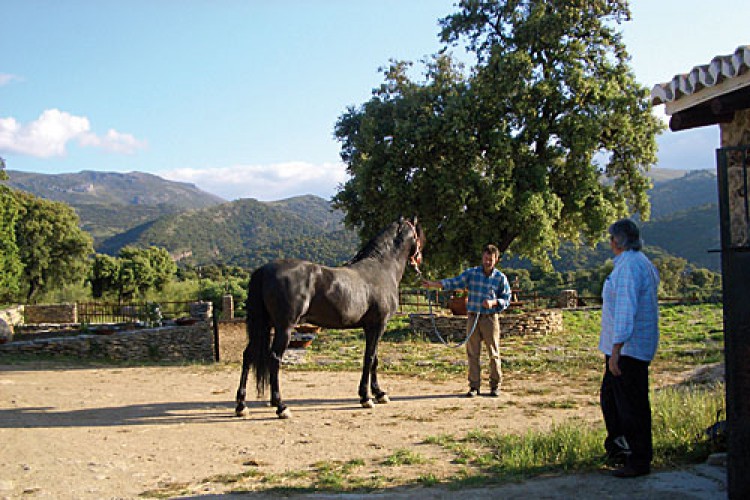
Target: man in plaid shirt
[(489, 294)]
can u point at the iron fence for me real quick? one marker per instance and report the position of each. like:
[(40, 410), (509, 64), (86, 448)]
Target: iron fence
[(103, 312)]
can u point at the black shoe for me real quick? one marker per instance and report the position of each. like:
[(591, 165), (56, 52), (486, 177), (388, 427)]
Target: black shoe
[(618, 452), (617, 458), (494, 392), (472, 393), (630, 471)]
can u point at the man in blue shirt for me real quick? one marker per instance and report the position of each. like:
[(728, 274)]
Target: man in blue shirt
[(489, 294), (629, 338)]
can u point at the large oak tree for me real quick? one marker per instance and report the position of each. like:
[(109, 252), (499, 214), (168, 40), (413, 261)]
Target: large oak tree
[(546, 137), (54, 251)]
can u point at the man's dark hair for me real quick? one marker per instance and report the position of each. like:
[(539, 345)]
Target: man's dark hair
[(626, 235), (491, 249)]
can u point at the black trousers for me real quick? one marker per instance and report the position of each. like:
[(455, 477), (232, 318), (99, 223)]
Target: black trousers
[(627, 410)]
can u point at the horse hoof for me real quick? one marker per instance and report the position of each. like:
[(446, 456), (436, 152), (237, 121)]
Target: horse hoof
[(285, 413), (384, 399), (368, 403), (242, 412)]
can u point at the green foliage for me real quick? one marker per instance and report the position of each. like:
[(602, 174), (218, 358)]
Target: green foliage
[(10, 260), (135, 272), (215, 291), (509, 154), (104, 276), (51, 246)]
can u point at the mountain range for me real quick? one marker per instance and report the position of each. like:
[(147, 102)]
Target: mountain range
[(199, 228)]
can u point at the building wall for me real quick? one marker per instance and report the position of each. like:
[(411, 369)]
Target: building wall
[(737, 133)]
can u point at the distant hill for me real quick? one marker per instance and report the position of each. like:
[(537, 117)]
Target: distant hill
[(247, 233), (110, 203), (659, 175), (199, 228), (693, 189), (690, 234), (133, 188)]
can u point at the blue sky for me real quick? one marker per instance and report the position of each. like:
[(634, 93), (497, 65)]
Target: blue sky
[(241, 97)]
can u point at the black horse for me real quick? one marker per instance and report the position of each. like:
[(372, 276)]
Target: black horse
[(361, 294)]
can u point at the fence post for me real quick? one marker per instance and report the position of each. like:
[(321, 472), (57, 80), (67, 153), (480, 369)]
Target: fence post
[(227, 307)]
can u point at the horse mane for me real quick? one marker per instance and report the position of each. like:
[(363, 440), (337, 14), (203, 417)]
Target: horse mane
[(381, 245)]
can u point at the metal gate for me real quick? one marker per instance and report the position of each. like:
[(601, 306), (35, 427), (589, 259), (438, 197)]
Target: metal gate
[(732, 170)]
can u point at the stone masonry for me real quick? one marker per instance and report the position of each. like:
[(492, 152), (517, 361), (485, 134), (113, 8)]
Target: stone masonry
[(172, 343), (535, 322)]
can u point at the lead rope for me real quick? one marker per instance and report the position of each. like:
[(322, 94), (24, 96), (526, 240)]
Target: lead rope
[(440, 337), (434, 325), (414, 261)]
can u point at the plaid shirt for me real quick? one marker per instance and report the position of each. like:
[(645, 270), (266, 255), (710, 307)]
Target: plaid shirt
[(481, 287), (630, 308)]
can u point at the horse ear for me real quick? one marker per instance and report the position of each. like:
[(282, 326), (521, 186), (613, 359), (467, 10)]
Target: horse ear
[(400, 219), (415, 220)]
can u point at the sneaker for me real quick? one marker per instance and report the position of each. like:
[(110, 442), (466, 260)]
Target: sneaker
[(472, 393), (494, 392)]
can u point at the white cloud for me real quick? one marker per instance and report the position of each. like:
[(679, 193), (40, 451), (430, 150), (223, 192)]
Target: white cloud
[(113, 141), (6, 78), (265, 182), (50, 134)]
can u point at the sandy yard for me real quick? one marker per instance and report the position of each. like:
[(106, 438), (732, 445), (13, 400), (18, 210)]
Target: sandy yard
[(117, 432)]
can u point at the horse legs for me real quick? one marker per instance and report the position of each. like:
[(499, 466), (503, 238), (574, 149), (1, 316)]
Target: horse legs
[(280, 342), (380, 395), (369, 378), (241, 410)]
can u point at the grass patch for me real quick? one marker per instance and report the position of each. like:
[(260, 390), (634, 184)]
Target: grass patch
[(680, 416), (404, 457)]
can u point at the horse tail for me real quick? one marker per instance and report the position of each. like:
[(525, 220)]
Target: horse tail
[(258, 331)]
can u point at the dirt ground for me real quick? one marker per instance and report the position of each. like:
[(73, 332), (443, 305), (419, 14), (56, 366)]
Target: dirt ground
[(109, 432)]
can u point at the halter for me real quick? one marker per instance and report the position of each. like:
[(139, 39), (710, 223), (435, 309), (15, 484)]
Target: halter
[(416, 257)]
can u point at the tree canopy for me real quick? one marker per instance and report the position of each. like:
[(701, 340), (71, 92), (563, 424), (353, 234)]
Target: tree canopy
[(546, 138), (134, 272), (10, 261), (52, 248)]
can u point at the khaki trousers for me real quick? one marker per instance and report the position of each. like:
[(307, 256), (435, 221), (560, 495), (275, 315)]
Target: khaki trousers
[(487, 331)]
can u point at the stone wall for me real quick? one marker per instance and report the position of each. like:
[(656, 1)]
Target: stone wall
[(172, 343), (538, 322), (232, 340)]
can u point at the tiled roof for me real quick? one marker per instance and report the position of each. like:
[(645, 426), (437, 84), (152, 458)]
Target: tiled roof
[(722, 75)]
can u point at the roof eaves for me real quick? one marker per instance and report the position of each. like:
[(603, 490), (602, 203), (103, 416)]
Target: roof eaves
[(722, 75)]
